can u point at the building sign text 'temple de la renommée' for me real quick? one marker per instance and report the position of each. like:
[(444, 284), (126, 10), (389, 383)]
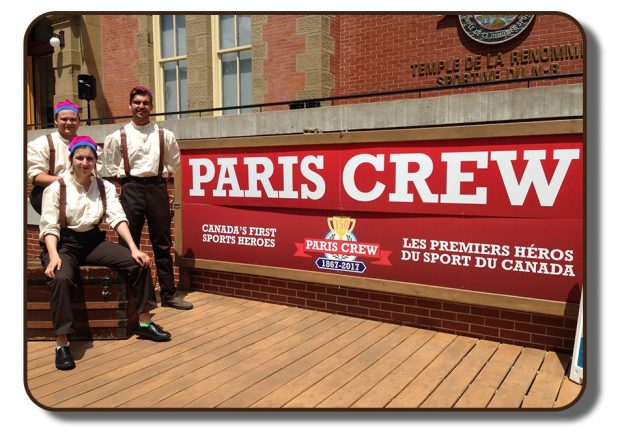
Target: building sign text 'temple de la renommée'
[(535, 62)]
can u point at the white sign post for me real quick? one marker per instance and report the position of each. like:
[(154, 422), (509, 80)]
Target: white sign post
[(576, 370)]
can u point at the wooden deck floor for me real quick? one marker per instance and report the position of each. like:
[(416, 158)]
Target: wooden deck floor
[(233, 353)]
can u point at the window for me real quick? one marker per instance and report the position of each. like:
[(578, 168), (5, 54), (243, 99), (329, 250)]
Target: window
[(234, 62), (171, 78)]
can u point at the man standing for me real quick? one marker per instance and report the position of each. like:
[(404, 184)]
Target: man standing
[(143, 156), (48, 155)]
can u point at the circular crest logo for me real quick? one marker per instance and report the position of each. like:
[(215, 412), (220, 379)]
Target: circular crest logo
[(494, 29)]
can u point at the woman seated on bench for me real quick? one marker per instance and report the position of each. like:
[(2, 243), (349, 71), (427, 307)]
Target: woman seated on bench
[(72, 210)]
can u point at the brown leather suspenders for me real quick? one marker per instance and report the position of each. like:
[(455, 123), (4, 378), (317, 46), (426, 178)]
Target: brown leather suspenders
[(52, 161), (160, 167), (124, 151), (104, 199), (62, 209)]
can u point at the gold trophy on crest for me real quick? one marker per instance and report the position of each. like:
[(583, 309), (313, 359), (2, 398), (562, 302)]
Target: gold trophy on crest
[(341, 225)]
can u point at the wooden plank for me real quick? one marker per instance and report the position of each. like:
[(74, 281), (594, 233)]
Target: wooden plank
[(182, 377), (482, 389), (266, 386), (220, 309), (34, 346), (91, 323), (427, 381), (512, 391), (359, 385), (568, 394), (219, 396), (43, 358), (316, 394), (110, 366), (94, 367), (38, 349), (455, 384), (262, 355), (157, 360), (548, 381), (382, 393), (112, 304), (35, 353), (221, 373), (216, 344), (279, 397)]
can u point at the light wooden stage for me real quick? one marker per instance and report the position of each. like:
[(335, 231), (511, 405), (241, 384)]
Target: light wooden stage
[(230, 353)]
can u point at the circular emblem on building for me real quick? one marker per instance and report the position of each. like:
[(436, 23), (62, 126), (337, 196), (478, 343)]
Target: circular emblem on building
[(494, 29)]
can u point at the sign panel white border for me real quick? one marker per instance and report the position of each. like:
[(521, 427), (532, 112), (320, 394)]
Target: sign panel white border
[(576, 369)]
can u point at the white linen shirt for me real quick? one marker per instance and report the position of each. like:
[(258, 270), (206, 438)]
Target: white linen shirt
[(39, 155), (84, 208), (142, 150)]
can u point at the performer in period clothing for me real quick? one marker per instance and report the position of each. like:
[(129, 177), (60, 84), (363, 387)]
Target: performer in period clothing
[(143, 155), (73, 207), (48, 155)]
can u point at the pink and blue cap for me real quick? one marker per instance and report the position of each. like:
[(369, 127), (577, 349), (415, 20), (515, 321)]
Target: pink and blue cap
[(142, 90), (66, 105), (79, 141)]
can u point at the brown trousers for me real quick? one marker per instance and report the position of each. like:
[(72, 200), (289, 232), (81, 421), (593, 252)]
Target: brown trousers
[(91, 248), (147, 199)]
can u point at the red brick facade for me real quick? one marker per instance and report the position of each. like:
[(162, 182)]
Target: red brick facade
[(280, 66), (373, 53), (376, 51), (120, 61)]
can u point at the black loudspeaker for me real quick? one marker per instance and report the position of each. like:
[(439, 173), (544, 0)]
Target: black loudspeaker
[(87, 87)]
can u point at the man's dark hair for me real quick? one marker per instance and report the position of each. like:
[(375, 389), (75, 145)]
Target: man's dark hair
[(142, 91)]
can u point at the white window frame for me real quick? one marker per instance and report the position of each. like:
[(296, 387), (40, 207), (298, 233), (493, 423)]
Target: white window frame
[(159, 104), (217, 56)]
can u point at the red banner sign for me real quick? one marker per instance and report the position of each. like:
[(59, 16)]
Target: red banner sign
[(502, 215)]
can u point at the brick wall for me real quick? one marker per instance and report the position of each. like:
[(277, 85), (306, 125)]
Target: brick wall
[(522, 328), (370, 53), (119, 62), (376, 51), (282, 47)]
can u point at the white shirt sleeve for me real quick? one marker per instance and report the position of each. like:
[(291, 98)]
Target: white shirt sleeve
[(114, 211), (38, 156), (48, 224), (172, 157), (111, 157)]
